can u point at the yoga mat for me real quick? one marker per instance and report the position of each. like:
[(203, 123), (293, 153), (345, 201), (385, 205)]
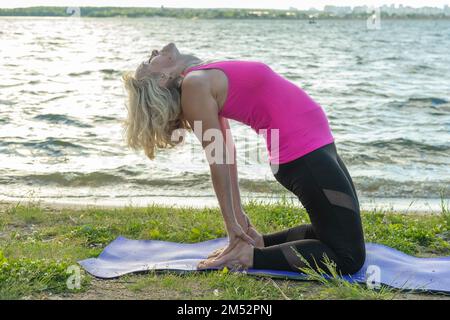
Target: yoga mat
[(387, 265)]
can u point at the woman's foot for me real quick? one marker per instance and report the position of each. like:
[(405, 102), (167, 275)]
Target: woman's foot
[(253, 233), (241, 256), (216, 253)]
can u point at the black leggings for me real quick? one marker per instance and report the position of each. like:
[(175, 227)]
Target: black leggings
[(323, 185)]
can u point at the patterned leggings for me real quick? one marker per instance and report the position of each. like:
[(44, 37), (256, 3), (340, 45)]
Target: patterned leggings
[(323, 185)]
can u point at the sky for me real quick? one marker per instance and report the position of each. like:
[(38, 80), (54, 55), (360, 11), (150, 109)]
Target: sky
[(273, 4)]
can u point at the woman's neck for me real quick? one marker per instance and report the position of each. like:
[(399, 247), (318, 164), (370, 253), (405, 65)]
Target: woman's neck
[(191, 61)]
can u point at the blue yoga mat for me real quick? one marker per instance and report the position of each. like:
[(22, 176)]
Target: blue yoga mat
[(383, 264)]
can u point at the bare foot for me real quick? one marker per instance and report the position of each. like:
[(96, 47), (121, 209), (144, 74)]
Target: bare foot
[(216, 253), (241, 256), (252, 232)]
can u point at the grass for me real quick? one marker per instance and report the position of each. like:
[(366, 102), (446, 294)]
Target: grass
[(221, 285), (445, 210), (334, 286), (22, 277), (38, 244)]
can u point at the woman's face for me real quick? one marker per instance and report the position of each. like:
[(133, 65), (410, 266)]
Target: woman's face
[(160, 62)]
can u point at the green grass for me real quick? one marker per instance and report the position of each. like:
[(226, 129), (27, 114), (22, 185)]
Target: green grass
[(445, 210), (38, 244), (336, 287), (20, 278), (219, 285)]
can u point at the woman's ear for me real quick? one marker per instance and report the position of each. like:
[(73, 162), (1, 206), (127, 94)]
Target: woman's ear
[(163, 80)]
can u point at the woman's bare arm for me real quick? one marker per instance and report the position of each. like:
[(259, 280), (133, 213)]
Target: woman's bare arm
[(201, 111), (241, 218)]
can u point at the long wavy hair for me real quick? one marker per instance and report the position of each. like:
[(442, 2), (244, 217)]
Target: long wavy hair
[(154, 113)]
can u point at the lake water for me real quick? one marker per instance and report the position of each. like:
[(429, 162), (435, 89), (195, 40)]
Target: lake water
[(386, 93)]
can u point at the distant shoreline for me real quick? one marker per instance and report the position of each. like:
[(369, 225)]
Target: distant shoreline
[(207, 14)]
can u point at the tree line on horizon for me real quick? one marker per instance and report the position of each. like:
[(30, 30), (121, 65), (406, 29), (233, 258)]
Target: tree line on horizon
[(191, 13)]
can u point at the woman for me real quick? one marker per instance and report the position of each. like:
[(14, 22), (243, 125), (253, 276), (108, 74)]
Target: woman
[(174, 91)]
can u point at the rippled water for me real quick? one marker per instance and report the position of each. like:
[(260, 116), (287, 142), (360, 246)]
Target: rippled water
[(386, 93)]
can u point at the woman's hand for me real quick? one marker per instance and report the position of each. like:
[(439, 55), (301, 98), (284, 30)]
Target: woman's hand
[(235, 234), (256, 236), (251, 232), (246, 225)]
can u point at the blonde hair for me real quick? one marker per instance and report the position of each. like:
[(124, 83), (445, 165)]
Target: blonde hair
[(154, 113)]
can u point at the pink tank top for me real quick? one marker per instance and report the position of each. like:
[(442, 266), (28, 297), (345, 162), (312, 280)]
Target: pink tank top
[(272, 106)]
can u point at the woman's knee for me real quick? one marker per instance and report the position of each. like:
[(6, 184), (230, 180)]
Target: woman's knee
[(352, 261)]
